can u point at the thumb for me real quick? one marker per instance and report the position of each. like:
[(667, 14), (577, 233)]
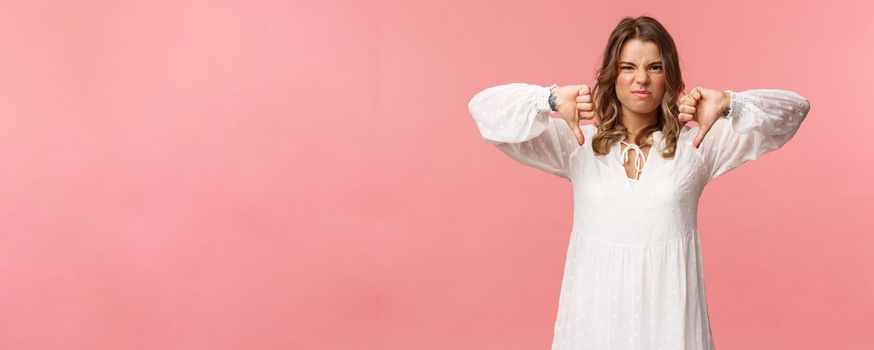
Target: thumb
[(702, 130), (581, 139)]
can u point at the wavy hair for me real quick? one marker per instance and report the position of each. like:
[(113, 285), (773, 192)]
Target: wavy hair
[(607, 104)]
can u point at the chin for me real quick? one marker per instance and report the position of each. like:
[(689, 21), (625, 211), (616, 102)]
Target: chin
[(641, 109)]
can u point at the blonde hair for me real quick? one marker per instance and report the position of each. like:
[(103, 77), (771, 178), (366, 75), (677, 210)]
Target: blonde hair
[(607, 104)]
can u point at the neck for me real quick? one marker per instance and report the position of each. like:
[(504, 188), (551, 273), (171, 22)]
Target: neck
[(635, 122)]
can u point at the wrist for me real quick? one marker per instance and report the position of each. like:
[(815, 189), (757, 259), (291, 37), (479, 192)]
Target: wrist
[(726, 103), (553, 98)]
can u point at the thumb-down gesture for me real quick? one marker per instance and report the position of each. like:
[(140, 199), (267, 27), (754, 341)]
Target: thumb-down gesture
[(704, 106), (574, 102)]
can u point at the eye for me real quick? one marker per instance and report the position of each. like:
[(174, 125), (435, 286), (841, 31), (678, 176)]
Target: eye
[(629, 67), (657, 67)]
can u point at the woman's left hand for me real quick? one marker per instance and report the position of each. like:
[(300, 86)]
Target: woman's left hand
[(704, 106)]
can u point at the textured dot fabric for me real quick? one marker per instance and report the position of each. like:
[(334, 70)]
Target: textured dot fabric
[(634, 277)]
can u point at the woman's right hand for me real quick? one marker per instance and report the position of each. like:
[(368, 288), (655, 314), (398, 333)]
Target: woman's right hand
[(574, 102)]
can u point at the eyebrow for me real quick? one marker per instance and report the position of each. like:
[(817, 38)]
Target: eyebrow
[(656, 62)]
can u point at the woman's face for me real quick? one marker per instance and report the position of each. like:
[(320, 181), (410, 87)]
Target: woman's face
[(640, 68)]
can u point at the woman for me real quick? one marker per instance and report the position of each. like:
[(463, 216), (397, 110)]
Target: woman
[(634, 277)]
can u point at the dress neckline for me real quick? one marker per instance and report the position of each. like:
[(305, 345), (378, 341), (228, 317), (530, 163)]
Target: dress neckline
[(647, 170), (640, 159)]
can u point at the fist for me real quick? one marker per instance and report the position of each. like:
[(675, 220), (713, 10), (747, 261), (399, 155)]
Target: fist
[(704, 106), (574, 102)]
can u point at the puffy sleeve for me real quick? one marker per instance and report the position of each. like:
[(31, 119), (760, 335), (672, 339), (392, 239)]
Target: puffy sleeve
[(760, 121), (515, 118)]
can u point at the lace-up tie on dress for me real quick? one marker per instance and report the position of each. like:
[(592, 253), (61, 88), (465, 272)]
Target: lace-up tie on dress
[(638, 164)]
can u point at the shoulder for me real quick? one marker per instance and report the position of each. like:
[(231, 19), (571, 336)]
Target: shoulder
[(687, 136), (689, 132), (589, 130)]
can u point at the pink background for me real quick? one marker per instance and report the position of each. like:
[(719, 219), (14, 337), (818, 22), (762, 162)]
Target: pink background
[(305, 175)]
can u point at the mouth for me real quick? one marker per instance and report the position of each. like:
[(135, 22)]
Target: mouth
[(641, 93)]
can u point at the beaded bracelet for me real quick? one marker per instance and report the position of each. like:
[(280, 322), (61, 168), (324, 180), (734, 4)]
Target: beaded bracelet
[(727, 110), (552, 98)]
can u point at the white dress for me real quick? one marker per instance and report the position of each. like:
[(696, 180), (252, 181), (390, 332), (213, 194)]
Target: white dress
[(634, 278)]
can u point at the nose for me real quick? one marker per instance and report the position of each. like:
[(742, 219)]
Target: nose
[(642, 76)]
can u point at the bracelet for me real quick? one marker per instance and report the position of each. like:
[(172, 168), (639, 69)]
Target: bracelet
[(727, 110), (552, 98)]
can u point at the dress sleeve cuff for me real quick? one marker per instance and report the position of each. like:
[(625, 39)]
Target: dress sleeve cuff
[(735, 105), (541, 99)]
